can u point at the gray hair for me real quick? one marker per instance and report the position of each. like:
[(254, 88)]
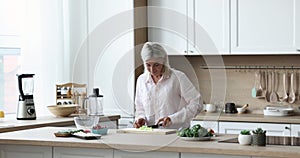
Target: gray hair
[(153, 50)]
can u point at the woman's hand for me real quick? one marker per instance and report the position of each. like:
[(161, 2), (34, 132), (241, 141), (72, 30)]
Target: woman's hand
[(139, 123), (166, 121)]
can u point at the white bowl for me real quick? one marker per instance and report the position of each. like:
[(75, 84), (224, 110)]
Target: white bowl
[(86, 122), (241, 110)]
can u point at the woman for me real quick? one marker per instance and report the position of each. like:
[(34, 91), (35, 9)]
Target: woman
[(164, 96)]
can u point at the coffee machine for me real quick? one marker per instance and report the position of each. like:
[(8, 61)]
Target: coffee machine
[(26, 110)]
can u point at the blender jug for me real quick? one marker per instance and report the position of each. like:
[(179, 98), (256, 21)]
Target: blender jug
[(95, 103)]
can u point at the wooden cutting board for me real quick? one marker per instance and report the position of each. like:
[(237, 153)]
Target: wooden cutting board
[(154, 131)]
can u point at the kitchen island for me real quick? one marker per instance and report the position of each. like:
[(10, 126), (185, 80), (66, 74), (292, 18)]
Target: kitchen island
[(115, 145), (12, 124)]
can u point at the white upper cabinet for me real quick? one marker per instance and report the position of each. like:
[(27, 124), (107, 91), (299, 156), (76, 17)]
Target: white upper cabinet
[(211, 26), (265, 26), (167, 22), (225, 27), (190, 27)]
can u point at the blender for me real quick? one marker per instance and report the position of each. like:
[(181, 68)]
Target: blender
[(26, 110)]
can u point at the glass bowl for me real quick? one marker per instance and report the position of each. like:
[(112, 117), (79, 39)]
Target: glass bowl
[(85, 122)]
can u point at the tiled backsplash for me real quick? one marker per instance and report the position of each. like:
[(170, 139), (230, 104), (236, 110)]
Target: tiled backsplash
[(236, 84)]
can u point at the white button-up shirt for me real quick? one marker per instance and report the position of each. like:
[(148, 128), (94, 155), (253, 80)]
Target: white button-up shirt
[(174, 96)]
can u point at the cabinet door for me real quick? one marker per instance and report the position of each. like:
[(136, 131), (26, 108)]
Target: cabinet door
[(272, 129), (167, 24), (62, 152), (18, 151), (265, 26), (295, 130), (211, 26), (148, 154), (188, 155)]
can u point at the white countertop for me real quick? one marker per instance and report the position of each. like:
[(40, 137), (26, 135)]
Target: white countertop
[(10, 123), (145, 142)]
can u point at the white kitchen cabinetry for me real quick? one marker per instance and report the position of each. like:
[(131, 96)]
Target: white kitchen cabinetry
[(189, 155), (272, 129), (21, 151), (295, 130), (146, 154), (211, 27), (167, 22), (62, 152), (190, 27), (265, 26)]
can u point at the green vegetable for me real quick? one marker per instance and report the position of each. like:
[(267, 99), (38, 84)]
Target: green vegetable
[(202, 132), (145, 128), (196, 127)]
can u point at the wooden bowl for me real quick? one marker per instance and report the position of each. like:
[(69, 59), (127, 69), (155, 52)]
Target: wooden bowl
[(62, 110)]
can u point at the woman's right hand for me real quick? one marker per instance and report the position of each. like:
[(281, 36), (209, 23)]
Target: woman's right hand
[(139, 123)]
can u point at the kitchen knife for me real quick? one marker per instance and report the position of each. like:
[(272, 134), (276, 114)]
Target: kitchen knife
[(155, 126)]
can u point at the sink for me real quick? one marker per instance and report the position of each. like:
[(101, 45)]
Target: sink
[(271, 140)]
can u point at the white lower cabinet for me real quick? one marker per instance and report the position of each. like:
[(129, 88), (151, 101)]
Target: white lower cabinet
[(62, 152), (272, 129), (295, 130), (189, 155), (148, 154), (21, 151)]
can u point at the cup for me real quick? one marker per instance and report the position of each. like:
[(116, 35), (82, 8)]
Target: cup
[(210, 107)]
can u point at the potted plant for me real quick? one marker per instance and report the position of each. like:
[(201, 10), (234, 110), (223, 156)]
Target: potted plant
[(259, 137), (244, 137)]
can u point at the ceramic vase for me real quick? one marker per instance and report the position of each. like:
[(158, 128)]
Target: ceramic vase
[(259, 139), (244, 139)]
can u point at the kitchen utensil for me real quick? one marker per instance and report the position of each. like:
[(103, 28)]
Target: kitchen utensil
[(94, 103), (26, 110), (267, 86), (292, 96), (259, 91), (242, 109), (285, 95), (254, 89), (86, 122), (273, 96)]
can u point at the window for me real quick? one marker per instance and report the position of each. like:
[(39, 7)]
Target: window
[(9, 54), (9, 67)]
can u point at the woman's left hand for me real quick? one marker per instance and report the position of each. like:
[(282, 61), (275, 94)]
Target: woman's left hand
[(165, 121)]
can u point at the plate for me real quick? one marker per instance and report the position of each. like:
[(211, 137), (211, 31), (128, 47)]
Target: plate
[(195, 138), (88, 136)]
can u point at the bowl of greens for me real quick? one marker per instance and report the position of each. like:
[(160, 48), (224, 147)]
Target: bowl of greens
[(196, 132)]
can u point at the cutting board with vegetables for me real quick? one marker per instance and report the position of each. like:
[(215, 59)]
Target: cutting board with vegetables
[(153, 131)]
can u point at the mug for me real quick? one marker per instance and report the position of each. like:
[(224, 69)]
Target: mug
[(210, 107), (230, 108)]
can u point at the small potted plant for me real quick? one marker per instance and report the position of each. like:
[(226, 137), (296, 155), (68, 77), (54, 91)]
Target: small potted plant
[(259, 137), (244, 137)]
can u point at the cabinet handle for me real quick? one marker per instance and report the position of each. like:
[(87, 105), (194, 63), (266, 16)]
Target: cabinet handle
[(185, 52), (191, 51), (298, 50), (286, 127)]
